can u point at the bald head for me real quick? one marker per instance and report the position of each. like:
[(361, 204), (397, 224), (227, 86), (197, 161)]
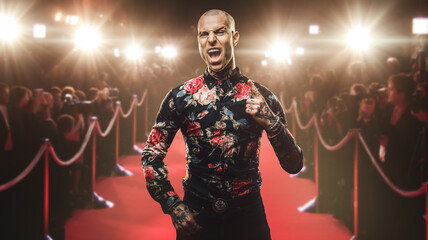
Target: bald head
[(213, 12)]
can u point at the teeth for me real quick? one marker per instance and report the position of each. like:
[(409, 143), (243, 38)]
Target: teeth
[(213, 50)]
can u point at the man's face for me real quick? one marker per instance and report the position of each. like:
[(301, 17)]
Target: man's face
[(216, 41), (392, 93)]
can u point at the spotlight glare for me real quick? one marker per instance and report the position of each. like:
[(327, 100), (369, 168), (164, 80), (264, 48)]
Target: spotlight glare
[(264, 63), (280, 51), (116, 52), (300, 51), (359, 39), (58, 17), (9, 29), (314, 29), (169, 52), (134, 52), (72, 20), (420, 25), (39, 31), (87, 38)]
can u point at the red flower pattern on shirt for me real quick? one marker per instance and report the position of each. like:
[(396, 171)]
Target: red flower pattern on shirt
[(194, 85), (242, 91), (216, 137), (240, 187), (193, 129), (155, 137), (149, 173)]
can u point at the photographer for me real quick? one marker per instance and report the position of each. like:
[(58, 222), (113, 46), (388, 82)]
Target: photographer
[(103, 109), (399, 131)]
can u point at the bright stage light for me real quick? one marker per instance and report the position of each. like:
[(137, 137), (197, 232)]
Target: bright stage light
[(280, 51), (87, 38), (72, 20), (134, 52), (169, 52), (300, 51), (359, 38), (420, 25), (158, 49), (314, 29), (39, 31), (58, 17), (264, 63), (116, 52), (9, 29)]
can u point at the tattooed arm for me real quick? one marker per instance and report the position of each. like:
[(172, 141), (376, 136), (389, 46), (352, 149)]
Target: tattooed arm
[(184, 221), (288, 152)]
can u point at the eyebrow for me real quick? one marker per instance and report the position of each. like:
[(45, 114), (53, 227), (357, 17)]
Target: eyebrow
[(218, 29)]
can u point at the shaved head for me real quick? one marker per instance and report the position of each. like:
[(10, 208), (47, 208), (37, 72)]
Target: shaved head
[(212, 12)]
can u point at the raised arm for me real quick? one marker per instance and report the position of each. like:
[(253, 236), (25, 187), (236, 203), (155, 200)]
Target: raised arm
[(265, 108)]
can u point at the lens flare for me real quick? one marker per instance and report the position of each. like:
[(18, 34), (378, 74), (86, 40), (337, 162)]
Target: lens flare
[(359, 39), (87, 38)]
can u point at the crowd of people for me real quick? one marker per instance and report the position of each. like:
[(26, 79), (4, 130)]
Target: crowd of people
[(392, 114)]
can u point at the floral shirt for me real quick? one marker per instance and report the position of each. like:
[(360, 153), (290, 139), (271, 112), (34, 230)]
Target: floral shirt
[(222, 140)]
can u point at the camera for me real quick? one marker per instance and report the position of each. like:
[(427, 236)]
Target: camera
[(72, 104)]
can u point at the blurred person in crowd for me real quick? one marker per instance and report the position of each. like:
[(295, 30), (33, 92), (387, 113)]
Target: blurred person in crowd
[(25, 128), (92, 94), (306, 111), (334, 182), (419, 109), (399, 131), (356, 92), (103, 109), (68, 90), (393, 66), (380, 94), (68, 146), (356, 72), (369, 180), (316, 85), (18, 116), (5, 134), (64, 191), (332, 83), (6, 142), (81, 95), (222, 115), (57, 101)]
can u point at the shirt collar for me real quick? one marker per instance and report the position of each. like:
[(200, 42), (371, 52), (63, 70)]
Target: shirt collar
[(234, 78)]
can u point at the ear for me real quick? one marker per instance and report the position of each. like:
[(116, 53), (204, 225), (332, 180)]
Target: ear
[(235, 38)]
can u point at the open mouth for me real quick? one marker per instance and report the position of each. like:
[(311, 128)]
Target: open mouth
[(214, 54)]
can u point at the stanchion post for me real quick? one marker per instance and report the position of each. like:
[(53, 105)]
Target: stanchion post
[(117, 133), (46, 193), (94, 152), (134, 123), (316, 160), (356, 153)]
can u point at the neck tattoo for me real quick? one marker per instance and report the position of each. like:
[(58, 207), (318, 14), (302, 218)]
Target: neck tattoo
[(223, 74)]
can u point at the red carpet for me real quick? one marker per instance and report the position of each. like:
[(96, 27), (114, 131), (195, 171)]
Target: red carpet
[(136, 216)]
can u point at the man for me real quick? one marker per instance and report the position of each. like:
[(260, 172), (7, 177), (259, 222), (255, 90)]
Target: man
[(222, 116)]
